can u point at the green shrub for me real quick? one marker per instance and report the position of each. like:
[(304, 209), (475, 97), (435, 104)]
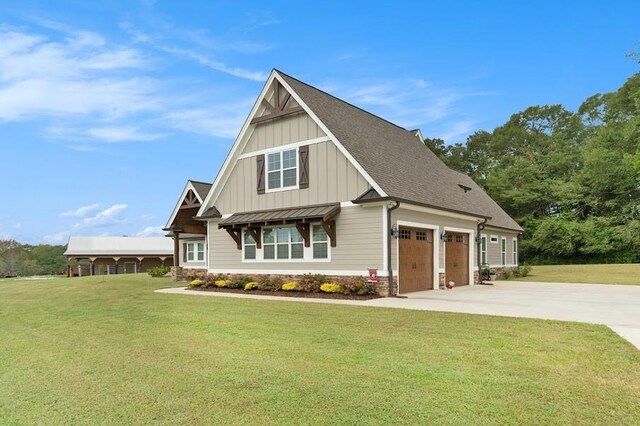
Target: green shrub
[(331, 288), (505, 274), (159, 271), (290, 286), (239, 281), (521, 271), (251, 285)]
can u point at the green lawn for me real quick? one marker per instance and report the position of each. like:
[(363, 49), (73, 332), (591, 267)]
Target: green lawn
[(110, 351), (591, 274)]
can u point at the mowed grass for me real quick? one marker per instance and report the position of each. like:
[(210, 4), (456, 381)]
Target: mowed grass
[(108, 350), (627, 274)]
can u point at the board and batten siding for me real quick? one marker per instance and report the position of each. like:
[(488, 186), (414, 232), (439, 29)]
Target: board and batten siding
[(359, 247), (441, 222), (493, 249), (332, 178), (283, 131)]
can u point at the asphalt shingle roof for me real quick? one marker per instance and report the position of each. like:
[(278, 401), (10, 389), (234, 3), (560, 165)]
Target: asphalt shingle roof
[(201, 188), (398, 161)]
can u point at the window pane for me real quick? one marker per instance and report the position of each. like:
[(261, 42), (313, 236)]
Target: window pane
[(269, 252), (297, 251), (250, 252), (282, 235), (268, 236), (289, 178), (274, 161), (283, 251), (274, 180), (190, 256), (320, 251), (319, 233), (289, 159), (200, 246), (248, 239), (200, 255), (296, 237)]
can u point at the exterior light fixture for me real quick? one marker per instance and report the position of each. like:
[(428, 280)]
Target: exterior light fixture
[(394, 231)]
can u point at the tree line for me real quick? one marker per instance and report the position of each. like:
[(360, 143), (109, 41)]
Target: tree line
[(24, 259), (570, 178)]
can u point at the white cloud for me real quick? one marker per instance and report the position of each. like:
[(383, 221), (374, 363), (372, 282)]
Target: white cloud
[(105, 218), (17, 225), (223, 121), (83, 211), (151, 231)]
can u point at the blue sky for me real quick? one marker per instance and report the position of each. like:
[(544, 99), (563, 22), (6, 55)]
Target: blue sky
[(107, 108)]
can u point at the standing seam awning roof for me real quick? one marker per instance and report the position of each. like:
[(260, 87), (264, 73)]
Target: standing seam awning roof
[(316, 212)]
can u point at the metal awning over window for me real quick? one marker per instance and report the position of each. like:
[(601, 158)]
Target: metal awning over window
[(301, 217)]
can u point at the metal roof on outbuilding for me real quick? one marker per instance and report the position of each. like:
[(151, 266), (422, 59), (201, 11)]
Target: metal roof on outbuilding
[(113, 246)]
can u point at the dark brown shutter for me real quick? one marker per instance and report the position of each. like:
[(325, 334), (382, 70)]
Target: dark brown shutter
[(303, 152), (184, 252), (260, 164)]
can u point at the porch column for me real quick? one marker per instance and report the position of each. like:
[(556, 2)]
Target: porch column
[(176, 249)]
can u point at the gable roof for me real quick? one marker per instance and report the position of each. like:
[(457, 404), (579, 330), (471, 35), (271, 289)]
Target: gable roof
[(133, 246), (200, 189), (403, 167)]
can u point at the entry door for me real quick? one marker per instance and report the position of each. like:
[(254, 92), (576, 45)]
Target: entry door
[(457, 258), (416, 259)]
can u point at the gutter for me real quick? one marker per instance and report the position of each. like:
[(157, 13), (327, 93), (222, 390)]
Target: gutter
[(392, 287)]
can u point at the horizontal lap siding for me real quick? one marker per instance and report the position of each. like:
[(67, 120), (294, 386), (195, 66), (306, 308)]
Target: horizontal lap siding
[(430, 219), (359, 246), (493, 250)]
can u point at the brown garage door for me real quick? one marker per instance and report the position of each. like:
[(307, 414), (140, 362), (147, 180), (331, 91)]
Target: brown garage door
[(416, 259), (457, 258)]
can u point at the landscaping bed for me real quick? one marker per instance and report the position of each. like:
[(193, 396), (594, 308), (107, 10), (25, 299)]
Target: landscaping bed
[(309, 285), (288, 293)]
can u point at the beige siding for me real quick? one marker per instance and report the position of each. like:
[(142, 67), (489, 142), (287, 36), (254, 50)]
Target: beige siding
[(332, 178), (283, 131), (493, 249), (434, 220), (193, 264), (359, 247)]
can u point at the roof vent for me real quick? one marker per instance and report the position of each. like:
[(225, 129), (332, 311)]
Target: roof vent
[(464, 188)]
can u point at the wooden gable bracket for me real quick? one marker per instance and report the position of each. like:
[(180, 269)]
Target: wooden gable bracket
[(256, 235), (190, 201), (330, 228), (305, 230), (280, 106), (235, 233)]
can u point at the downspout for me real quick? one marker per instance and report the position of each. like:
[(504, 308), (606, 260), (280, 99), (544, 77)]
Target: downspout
[(392, 287), (479, 255)]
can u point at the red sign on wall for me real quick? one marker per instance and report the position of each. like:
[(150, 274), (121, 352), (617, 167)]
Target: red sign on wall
[(373, 276)]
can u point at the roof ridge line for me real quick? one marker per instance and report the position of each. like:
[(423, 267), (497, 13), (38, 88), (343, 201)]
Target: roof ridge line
[(343, 101)]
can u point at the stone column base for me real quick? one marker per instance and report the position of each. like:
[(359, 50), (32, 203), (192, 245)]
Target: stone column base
[(176, 273)]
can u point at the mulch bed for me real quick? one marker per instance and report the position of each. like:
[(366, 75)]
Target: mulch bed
[(289, 293)]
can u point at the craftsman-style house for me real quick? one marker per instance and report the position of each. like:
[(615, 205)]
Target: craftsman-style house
[(314, 184)]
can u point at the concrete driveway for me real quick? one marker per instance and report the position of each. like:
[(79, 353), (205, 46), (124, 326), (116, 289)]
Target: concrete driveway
[(616, 306)]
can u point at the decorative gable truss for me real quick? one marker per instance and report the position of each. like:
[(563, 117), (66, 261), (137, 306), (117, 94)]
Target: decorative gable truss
[(281, 105)]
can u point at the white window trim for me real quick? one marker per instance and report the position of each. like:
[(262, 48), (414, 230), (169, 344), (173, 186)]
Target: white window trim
[(281, 170), (514, 250), (503, 251), (484, 253), (195, 251), (307, 252)]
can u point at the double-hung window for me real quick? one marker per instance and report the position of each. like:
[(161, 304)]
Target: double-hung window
[(249, 246), (503, 251), (282, 243), (195, 252), (282, 169), (515, 250), (320, 242)]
